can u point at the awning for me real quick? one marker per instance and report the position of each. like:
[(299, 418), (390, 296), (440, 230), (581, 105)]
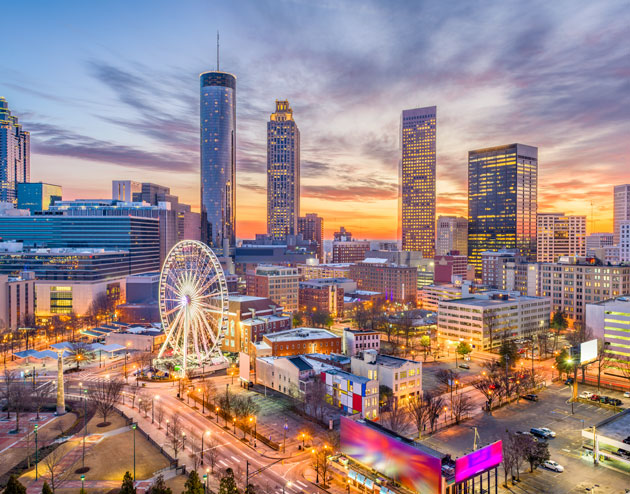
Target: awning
[(352, 474)]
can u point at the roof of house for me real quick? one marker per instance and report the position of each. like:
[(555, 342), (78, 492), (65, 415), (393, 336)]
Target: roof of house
[(297, 334)]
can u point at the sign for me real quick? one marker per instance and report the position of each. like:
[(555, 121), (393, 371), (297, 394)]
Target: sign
[(478, 461), (588, 351)]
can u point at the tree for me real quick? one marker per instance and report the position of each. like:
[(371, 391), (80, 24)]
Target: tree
[(127, 485), (395, 418), (535, 452), (425, 344), (385, 396), (193, 484), (298, 319), (314, 398), (104, 396), (508, 352), (485, 385), (212, 451), (510, 455), (227, 484), (463, 348), (320, 462), (144, 404), (602, 361), (79, 352), (558, 323), (159, 415), (435, 403), (14, 486), (447, 377), (54, 468), (7, 391), (461, 404), (417, 409), (41, 394), (46, 488), (159, 486), (404, 326), (564, 363)]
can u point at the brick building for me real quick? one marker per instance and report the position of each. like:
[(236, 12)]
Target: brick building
[(398, 283)]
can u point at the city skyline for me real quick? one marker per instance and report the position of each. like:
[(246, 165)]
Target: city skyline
[(127, 107)]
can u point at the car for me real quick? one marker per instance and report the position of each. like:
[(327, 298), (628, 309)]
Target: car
[(586, 394), (552, 465), (569, 381), (548, 431), (603, 399), (595, 397), (615, 402), (626, 394), (624, 453), (539, 433), (464, 366), (626, 440), (531, 397)]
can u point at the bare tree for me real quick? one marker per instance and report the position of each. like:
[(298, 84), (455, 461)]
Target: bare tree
[(418, 410), (176, 437), (435, 403), (144, 404), (315, 397), (104, 396), (396, 418), (41, 394), (212, 451), (159, 415), (7, 390), (56, 473), (320, 462), (19, 398), (461, 404), (602, 361), (510, 455)]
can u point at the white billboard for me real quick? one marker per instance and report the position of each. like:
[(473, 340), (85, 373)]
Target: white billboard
[(588, 351)]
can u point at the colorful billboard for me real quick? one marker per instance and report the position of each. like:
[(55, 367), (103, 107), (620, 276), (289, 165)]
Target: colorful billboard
[(391, 457), (478, 461)]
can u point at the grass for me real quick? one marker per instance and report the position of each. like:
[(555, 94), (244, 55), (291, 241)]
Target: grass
[(115, 422)]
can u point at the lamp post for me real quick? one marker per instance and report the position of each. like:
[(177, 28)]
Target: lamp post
[(82, 483), (126, 355), (205, 483), (84, 425), (284, 439), (183, 441), (166, 427), (303, 437), (216, 410), (133, 426), (36, 459), (316, 465), (288, 484), (234, 424), (207, 432)]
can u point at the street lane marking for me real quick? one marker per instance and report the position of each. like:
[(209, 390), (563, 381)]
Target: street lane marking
[(301, 483), (236, 459), (223, 463)]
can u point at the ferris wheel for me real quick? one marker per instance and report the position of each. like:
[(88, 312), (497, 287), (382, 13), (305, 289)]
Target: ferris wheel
[(193, 306)]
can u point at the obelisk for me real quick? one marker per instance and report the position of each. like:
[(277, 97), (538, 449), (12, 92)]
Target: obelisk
[(61, 400)]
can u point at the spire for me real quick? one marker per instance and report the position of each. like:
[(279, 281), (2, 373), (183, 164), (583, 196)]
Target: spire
[(218, 50)]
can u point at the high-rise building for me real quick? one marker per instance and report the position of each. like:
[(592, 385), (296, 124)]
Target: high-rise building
[(397, 282), (342, 235), (622, 208), (218, 159), (624, 242), (599, 241), (311, 227), (559, 235), (279, 283), (125, 190), (417, 180), (15, 154), (352, 251), (452, 235), (37, 196), (502, 200), (492, 263), (283, 173)]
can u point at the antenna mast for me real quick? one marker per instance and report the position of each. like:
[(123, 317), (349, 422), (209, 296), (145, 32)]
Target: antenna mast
[(217, 50)]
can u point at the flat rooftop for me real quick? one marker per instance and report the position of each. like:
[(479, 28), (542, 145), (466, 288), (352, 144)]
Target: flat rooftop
[(616, 427), (297, 334)]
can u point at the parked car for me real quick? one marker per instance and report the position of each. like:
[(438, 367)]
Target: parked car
[(552, 465), (626, 394), (615, 401), (624, 453), (595, 397), (627, 440), (569, 381), (464, 366), (548, 431), (531, 397), (539, 433), (586, 394), (603, 399)]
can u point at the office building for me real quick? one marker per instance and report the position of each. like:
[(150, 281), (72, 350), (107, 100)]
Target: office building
[(311, 227), (492, 266), (349, 251), (325, 295), (126, 190), (417, 180), (37, 196), (359, 340), (610, 322), (310, 271), (522, 277), (283, 173), (624, 242), (502, 201), (17, 300), (402, 376), (599, 241), (279, 283), (621, 208), (342, 235), (397, 282), (487, 319), (414, 259), (559, 235), (451, 235), (218, 159), (137, 236), (250, 255), (141, 299), (298, 341), (574, 282), (15, 154), (448, 266), (430, 296)]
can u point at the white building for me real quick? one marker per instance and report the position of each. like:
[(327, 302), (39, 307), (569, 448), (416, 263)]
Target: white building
[(624, 242), (451, 235), (610, 321), (599, 241), (357, 340), (558, 235), (17, 299), (621, 208), (485, 320), (430, 295), (402, 376)]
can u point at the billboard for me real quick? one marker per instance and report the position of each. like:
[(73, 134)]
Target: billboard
[(478, 461), (588, 351), (391, 457)]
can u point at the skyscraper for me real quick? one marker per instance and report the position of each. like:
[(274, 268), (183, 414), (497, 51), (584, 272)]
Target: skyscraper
[(15, 154), (417, 180), (283, 173), (452, 235), (559, 235), (622, 208), (218, 158), (502, 200), (311, 227)]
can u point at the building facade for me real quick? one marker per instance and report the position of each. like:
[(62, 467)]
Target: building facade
[(398, 283), (279, 283), (283, 173), (599, 241), (492, 263), (430, 296), (447, 266), (37, 196), (502, 201), (126, 190), (349, 251), (15, 154), (17, 299), (311, 227), (359, 340), (624, 242), (610, 322), (218, 159), (317, 271), (417, 180), (325, 295), (621, 208), (353, 394), (299, 341), (559, 235), (451, 235)]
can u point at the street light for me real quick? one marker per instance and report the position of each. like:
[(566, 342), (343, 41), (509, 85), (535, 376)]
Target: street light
[(288, 484), (166, 427), (216, 410), (207, 432), (303, 437), (82, 483), (36, 459), (316, 465), (234, 424), (84, 425), (284, 440), (156, 397), (205, 483), (133, 426)]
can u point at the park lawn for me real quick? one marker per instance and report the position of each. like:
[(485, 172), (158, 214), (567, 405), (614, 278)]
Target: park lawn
[(29, 476), (116, 423), (113, 456)]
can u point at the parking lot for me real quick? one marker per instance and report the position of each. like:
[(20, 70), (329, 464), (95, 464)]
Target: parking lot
[(551, 411)]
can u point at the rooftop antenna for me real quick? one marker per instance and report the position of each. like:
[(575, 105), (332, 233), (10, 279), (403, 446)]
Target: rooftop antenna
[(217, 50)]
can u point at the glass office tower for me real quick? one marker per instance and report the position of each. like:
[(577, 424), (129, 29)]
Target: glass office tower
[(502, 201), (417, 180), (283, 173), (218, 159), (15, 154)]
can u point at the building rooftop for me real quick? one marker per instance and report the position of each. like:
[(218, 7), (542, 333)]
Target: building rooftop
[(491, 302), (616, 427), (389, 361), (301, 363), (261, 319), (348, 375), (297, 334)]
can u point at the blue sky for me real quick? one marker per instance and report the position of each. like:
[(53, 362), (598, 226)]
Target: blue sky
[(110, 91)]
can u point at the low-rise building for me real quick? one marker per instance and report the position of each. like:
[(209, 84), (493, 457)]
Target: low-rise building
[(298, 341), (359, 340), (325, 294), (448, 266), (402, 376), (430, 295), (610, 322), (487, 319), (310, 271), (349, 251), (354, 394), (144, 339), (17, 299)]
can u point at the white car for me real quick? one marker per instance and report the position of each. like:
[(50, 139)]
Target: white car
[(626, 394), (586, 394), (552, 465), (548, 431)]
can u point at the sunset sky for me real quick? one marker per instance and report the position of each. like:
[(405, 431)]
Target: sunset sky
[(110, 90)]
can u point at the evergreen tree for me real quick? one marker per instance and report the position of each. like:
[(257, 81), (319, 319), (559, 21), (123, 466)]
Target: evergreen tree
[(159, 486), (127, 485), (509, 353), (46, 488), (228, 483), (193, 485), (14, 486)]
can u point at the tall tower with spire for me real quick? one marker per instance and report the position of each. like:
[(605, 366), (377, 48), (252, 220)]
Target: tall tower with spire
[(15, 154), (218, 158)]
